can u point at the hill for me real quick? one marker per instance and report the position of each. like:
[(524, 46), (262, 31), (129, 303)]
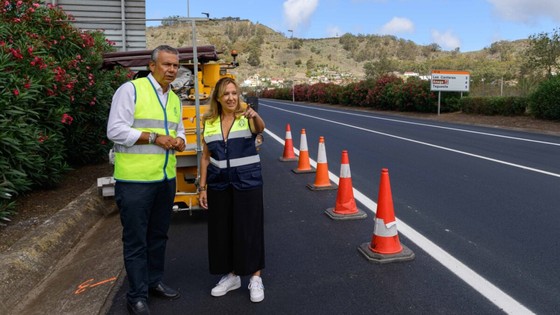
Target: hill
[(271, 54)]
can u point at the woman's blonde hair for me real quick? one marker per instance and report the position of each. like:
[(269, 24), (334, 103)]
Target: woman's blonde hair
[(215, 109)]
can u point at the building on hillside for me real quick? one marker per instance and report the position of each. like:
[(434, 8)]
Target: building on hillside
[(410, 74), (122, 21)]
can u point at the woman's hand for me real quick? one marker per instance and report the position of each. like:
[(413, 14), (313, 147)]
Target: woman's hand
[(203, 199), (250, 112), (255, 120)]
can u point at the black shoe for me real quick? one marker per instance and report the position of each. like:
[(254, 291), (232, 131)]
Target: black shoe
[(138, 308), (163, 291)]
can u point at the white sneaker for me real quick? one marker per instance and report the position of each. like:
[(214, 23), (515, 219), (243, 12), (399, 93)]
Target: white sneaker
[(256, 288), (227, 283)]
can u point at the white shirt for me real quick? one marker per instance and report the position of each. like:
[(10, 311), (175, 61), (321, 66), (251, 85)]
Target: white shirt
[(121, 116)]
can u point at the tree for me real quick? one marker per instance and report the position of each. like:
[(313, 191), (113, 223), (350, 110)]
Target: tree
[(544, 52), (310, 64), (434, 47), (376, 69), (254, 58), (348, 42)]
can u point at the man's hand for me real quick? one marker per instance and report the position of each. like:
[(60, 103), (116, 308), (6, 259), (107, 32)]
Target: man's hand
[(179, 144), (170, 143)]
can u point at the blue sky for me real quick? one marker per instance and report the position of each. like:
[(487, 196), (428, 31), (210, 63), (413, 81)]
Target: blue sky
[(468, 24)]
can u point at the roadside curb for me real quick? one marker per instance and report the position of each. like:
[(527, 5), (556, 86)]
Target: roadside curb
[(31, 259)]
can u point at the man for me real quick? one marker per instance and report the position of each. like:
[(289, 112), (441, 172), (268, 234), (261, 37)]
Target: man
[(145, 123)]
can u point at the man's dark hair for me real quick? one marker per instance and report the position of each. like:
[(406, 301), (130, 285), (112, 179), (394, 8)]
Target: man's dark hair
[(165, 48)]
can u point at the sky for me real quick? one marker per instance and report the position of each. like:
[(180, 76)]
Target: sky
[(469, 25)]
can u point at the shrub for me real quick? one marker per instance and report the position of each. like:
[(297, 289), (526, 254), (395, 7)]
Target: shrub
[(382, 94), (345, 94), (414, 95), (325, 93), (450, 101), (544, 103), (356, 94), (499, 105), (300, 92), (55, 98), (332, 93)]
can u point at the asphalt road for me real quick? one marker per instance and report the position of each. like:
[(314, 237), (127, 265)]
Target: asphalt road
[(478, 207)]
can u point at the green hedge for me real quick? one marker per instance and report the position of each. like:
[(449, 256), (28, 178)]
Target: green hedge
[(497, 105), (544, 103)]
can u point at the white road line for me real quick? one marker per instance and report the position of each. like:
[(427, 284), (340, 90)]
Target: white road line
[(427, 144), (418, 124), (476, 281)]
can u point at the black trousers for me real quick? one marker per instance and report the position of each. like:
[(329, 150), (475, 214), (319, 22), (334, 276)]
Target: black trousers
[(145, 211), (235, 231)]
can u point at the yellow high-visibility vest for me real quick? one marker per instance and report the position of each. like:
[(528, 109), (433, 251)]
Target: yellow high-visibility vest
[(149, 162)]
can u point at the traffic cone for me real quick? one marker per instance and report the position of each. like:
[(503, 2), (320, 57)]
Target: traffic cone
[(345, 206), (385, 246), (288, 147), (303, 161), (322, 181)]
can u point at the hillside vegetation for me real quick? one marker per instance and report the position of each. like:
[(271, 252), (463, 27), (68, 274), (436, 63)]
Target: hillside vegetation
[(271, 54)]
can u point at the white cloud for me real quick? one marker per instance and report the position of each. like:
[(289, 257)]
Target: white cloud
[(298, 12), (446, 40), (397, 25), (527, 11)]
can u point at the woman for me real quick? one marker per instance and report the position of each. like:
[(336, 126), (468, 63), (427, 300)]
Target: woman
[(231, 189)]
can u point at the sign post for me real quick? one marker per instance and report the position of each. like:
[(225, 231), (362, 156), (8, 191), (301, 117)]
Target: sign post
[(450, 81)]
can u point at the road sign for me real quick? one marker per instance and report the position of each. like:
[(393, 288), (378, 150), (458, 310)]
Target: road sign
[(452, 81)]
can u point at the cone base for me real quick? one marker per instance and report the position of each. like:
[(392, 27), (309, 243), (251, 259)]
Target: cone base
[(405, 255), (283, 159), (353, 216), (311, 170), (326, 187)]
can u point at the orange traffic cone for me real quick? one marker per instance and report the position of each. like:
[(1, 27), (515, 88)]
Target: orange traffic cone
[(385, 246), (322, 181), (288, 147), (345, 206), (303, 162)]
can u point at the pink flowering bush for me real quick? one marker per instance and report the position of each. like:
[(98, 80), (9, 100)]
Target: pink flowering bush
[(55, 97), (326, 93), (300, 92), (414, 95)]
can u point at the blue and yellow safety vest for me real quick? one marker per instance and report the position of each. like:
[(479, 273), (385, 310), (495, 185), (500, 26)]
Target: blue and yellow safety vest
[(149, 162), (235, 161)]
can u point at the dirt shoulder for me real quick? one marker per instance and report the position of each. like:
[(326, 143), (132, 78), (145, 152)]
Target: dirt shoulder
[(36, 207)]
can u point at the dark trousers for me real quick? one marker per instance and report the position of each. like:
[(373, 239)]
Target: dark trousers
[(235, 231), (145, 211)]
